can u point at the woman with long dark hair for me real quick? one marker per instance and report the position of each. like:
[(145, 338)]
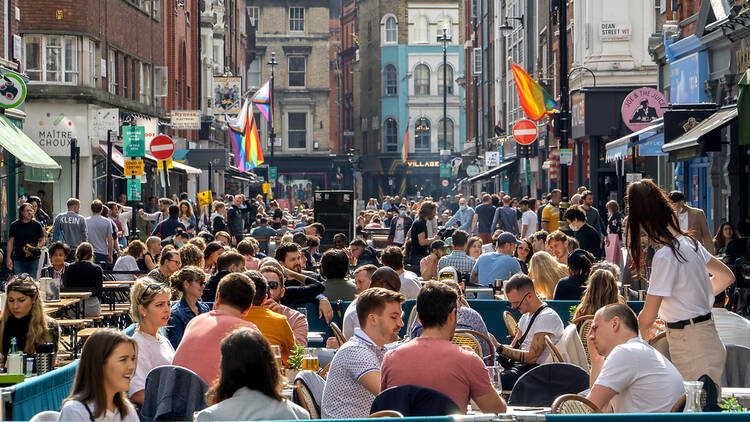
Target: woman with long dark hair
[(723, 236), (523, 254), (102, 379), (249, 384), (684, 279)]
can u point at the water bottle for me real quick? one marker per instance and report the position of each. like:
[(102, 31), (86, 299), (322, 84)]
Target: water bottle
[(15, 359)]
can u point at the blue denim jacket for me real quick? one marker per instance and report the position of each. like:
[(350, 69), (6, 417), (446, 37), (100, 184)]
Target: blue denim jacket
[(178, 320)]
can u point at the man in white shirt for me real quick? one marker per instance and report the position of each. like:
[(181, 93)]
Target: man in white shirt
[(354, 378), (538, 320), (732, 328), (393, 257), (529, 218), (627, 375)]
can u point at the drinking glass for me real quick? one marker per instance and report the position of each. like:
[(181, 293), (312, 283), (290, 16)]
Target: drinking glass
[(694, 390), (310, 360), (277, 355), (495, 377)]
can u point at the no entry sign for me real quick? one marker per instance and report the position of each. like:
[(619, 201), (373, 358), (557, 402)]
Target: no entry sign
[(162, 147), (524, 132)]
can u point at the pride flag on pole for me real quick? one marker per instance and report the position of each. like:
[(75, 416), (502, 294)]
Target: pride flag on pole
[(263, 100), (535, 101), (243, 132), (405, 146)]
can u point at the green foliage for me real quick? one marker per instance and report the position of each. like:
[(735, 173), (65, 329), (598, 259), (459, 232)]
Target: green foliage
[(573, 312), (731, 405), (296, 357)]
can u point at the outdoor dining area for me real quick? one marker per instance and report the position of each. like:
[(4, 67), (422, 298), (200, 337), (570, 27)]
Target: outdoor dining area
[(549, 391)]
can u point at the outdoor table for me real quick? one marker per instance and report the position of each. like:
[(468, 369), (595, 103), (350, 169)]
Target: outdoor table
[(315, 337), (742, 394), (51, 308), (74, 325)]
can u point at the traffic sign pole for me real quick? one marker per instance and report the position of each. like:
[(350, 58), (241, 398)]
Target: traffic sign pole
[(162, 148)]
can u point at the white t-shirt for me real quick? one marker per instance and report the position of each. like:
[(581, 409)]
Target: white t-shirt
[(152, 352), (546, 322), (75, 411), (398, 235), (684, 284), (351, 319), (683, 217), (410, 284), (645, 380), (529, 219)]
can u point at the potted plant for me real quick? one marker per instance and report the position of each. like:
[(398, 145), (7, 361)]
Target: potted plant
[(294, 363)]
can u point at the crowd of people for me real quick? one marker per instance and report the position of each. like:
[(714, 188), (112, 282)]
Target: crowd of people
[(223, 287)]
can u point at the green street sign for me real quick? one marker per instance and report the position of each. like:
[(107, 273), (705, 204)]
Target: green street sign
[(134, 141), (445, 170), (273, 172), (134, 189)]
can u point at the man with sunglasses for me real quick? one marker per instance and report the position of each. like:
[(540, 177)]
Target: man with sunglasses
[(527, 349), (276, 290)]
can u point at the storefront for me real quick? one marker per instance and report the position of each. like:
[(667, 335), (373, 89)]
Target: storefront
[(496, 179), (297, 182), (23, 167)]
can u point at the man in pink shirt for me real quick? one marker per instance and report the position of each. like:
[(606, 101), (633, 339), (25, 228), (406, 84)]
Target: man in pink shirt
[(432, 361), (199, 349)]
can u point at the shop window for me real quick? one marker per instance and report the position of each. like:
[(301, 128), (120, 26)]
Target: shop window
[(422, 135), (390, 80), (391, 135)]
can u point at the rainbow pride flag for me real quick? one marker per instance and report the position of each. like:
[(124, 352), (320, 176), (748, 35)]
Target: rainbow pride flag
[(264, 101), (405, 145), (243, 133), (535, 101)]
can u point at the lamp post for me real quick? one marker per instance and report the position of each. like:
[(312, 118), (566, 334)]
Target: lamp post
[(273, 63), (445, 39), (564, 120)]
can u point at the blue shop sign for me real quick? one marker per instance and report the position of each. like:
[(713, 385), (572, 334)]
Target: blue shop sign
[(686, 78)]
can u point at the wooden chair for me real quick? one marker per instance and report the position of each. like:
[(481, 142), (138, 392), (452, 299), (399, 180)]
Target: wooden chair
[(323, 372), (338, 334), (306, 399), (466, 339), (386, 414), (510, 324), (659, 342), (584, 327), (556, 355), (479, 337), (679, 406), (573, 404)]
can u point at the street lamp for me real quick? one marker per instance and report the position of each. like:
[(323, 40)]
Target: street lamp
[(445, 39), (273, 63), (506, 28)]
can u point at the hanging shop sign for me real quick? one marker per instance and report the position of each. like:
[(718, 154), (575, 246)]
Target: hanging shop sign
[(12, 90), (641, 107)]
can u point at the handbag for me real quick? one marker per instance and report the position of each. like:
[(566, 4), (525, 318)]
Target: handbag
[(508, 363)]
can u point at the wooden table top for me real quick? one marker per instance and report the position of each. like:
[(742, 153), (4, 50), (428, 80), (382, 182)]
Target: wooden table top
[(73, 295)]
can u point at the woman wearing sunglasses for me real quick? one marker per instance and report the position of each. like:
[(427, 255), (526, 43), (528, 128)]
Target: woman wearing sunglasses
[(523, 254), (189, 282), (149, 308)]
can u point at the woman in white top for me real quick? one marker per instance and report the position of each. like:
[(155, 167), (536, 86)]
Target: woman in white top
[(684, 280), (128, 261), (107, 363), (149, 308), (249, 384)]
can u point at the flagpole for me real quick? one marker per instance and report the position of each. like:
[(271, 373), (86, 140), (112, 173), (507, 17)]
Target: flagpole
[(273, 63)]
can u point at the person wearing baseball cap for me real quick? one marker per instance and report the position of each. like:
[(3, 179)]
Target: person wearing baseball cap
[(428, 266), (499, 264)]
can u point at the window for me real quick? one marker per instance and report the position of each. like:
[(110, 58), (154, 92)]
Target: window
[(391, 135), (145, 85), (133, 64), (421, 29), (111, 66), (297, 71), (422, 135), (125, 71), (296, 19), (52, 58), (297, 131), (390, 80), (93, 63), (476, 60), (253, 73), (448, 77), (391, 30), (253, 14), (156, 9), (422, 80), (449, 128)]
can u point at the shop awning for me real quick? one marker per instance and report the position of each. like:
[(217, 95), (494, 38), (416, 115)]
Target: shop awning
[(492, 172), (236, 174), (38, 166), (705, 136), (618, 149), (119, 161)]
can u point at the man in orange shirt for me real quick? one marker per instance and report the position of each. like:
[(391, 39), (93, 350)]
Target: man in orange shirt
[(274, 327)]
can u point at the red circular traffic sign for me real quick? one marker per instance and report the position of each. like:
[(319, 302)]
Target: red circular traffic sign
[(525, 132), (162, 147)]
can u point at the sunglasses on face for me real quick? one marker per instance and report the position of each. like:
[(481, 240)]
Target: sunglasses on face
[(523, 248), (201, 283)]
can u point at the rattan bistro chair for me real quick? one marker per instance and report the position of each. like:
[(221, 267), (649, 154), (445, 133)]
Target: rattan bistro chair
[(554, 352), (338, 334), (573, 404), (584, 327), (304, 395), (510, 324), (474, 339), (386, 414)]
